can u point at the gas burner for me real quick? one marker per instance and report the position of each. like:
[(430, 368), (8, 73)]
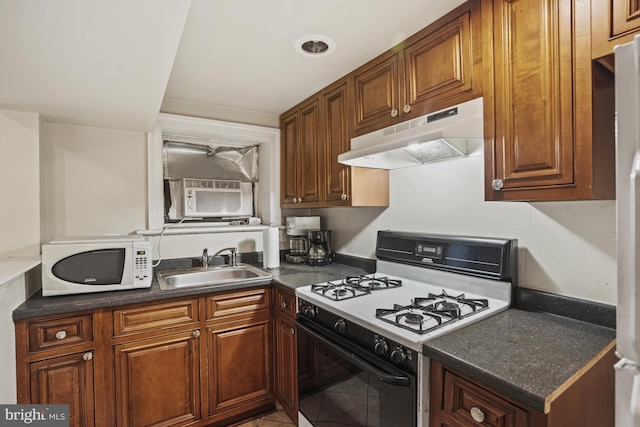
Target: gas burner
[(339, 291), (414, 318), (460, 304), (373, 282)]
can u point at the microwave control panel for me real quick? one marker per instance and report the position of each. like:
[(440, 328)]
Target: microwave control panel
[(142, 264)]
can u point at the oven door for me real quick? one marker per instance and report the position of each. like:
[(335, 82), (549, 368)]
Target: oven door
[(340, 383)]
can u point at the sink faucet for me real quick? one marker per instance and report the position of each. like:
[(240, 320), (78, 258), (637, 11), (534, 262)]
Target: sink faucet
[(232, 256), (205, 259)]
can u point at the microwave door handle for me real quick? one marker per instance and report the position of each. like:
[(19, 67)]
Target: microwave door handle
[(359, 362)]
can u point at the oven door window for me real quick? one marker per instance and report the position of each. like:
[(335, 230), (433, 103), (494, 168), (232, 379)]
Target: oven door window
[(335, 390), (99, 267)]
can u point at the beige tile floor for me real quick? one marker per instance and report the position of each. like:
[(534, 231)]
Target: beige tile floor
[(274, 419)]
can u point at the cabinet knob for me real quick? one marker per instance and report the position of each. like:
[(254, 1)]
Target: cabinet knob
[(394, 113), (497, 184), (196, 333), (298, 200), (293, 331), (87, 356), (406, 108), (60, 335), (477, 414), (344, 197), (283, 304)]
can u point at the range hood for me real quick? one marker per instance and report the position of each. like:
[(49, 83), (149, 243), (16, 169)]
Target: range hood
[(437, 136)]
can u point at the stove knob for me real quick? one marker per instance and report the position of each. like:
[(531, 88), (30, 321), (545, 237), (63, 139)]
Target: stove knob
[(310, 311), (398, 355), (381, 347), (340, 326)]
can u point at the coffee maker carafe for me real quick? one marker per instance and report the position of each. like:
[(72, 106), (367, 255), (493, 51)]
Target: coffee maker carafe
[(320, 247), (297, 227)]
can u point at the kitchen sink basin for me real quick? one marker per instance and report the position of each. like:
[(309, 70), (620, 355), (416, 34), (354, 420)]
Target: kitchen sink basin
[(212, 276)]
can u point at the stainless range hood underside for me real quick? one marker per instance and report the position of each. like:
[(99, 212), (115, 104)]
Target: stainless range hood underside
[(438, 136)]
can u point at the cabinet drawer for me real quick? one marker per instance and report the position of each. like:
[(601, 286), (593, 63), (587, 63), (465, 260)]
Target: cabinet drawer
[(149, 318), (60, 332), (238, 303), (470, 404), (285, 302)]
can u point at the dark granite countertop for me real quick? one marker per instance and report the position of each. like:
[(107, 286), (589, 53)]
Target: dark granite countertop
[(525, 354), (289, 275)]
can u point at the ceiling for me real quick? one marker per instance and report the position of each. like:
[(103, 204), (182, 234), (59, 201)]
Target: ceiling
[(110, 63)]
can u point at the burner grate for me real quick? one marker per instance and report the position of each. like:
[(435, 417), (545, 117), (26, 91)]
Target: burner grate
[(354, 286), (425, 314)]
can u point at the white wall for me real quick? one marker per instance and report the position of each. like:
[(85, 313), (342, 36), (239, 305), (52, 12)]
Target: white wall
[(565, 247), (94, 181), (20, 225), (19, 174)]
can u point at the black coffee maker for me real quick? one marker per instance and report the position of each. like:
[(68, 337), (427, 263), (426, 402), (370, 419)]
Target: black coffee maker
[(319, 247)]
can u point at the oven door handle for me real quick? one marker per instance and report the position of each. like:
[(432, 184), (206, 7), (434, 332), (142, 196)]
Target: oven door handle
[(359, 362)]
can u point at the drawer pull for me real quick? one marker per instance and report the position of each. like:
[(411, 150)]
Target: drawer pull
[(477, 414), (196, 333), (60, 335), (87, 356)]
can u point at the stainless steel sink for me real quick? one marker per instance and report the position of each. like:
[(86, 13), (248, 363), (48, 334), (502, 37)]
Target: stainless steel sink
[(212, 276)]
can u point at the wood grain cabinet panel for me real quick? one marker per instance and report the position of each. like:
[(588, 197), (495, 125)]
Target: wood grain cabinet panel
[(438, 67), (241, 303), (345, 185), (56, 333), (541, 140), (613, 22), (158, 381), (300, 156), (66, 380), (240, 366), (286, 384), (154, 317)]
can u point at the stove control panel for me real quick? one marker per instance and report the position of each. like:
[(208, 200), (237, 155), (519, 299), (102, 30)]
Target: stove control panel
[(382, 347)]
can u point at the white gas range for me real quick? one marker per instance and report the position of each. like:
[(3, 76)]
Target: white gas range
[(360, 338)]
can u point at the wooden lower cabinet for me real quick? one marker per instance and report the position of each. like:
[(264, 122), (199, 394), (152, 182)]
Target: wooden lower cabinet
[(170, 363), (286, 343), (158, 381), (65, 379), (239, 371), (586, 400)]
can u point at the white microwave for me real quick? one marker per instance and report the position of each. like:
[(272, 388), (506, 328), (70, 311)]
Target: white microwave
[(95, 264)]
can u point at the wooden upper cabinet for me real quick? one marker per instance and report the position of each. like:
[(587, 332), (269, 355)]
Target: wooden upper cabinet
[(541, 139), (613, 22), (300, 159), (345, 185), (377, 93), (438, 67)]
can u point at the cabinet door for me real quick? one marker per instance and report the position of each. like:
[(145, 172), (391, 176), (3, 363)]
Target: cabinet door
[(438, 68), (377, 94), (289, 161), (66, 380), (337, 138), (286, 366), (529, 115), (239, 371), (158, 381), (310, 155), (625, 16)]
